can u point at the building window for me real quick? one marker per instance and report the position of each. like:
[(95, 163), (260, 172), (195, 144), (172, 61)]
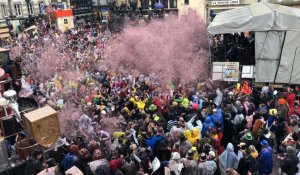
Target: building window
[(65, 21), (18, 10), (173, 3), (4, 10), (165, 2), (30, 8), (186, 2), (145, 4)]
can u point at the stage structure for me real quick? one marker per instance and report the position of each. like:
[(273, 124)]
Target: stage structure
[(277, 45)]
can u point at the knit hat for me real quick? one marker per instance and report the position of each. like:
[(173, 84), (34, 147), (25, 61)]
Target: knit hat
[(212, 154), (175, 156)]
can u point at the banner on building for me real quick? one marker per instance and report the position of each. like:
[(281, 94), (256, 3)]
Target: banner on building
[(231, 71), (225, 71), (228, 2)]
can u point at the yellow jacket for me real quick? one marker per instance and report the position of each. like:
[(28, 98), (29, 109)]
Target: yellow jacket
[(192, 137), (117, 135), (139, 103)]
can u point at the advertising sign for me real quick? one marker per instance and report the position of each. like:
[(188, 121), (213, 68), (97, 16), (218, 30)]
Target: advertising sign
[(231, 71), (225, 71), (229, 2)]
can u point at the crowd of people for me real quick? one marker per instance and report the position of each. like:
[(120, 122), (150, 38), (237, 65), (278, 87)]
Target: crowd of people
[(118, 123), (238, 47)]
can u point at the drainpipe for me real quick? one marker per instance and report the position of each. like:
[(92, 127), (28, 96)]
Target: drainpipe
[(10, 9)]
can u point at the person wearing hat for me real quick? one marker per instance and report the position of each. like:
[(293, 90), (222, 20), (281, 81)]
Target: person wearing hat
[(175, 165), (201, 166), (210, 164), (189, 163), (289, 164), (228, 159), (266, 158), (283, 110), (247, 164), (265, 135), (272, 117), (248, 139)]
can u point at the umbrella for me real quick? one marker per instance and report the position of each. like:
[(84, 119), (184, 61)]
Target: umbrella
[(158, 6)]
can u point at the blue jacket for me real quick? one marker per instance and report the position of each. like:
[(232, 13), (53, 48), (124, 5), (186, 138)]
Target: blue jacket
[(220, 117), (68, 161), (207, 125), (266, 161), (152, 142), (217, 118)]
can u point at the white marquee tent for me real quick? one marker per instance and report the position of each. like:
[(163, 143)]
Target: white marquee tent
[(277, 41)]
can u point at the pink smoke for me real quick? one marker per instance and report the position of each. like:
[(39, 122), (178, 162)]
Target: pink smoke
[(68, 119), (15, 52), (175, 49), (110, 124)]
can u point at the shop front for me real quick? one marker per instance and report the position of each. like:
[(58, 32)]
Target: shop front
[(83, 11)]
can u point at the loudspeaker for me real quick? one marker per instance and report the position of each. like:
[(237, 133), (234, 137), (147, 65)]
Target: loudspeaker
[(10, 126)]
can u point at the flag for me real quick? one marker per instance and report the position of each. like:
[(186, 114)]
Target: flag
[(155, 164)]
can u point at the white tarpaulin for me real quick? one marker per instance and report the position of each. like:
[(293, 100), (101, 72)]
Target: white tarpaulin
[(277, 43), (267, 54), (256, 17), (288, 70)]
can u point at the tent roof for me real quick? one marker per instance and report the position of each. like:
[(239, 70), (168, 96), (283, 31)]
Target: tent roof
[(256, 17)]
